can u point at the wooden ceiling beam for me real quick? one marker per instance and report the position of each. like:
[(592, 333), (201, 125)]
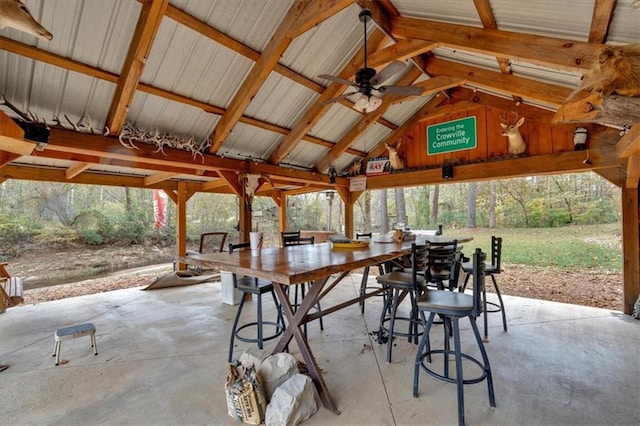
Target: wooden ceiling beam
[(218, 183), (572, 55), (66, 143), (76, 169), (256, 77), (601, 20), (143, 37), (313, 114), (158, 177), (633, 171), (363, 124), (557, 163), (400, 51), (545, 93), (219, 37), (69, 64), (7, 158), (313, 12), (629, 144)]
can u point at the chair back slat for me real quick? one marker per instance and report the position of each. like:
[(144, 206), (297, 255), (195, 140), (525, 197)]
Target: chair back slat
[(478, 260), (212, 242), (363, 235), (419, 259), (442, 261), (293, 238), (496, 252)]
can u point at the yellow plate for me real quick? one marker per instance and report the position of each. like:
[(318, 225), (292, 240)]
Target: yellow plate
[(352, 244)]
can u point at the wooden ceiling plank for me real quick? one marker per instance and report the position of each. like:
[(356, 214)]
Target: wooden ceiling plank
[(364, 123), (256, 77), (313, 114), (148, 23), (159, 177), (76, 169), (629, 144), (518, 86), (425, 110), (601, 20), (572, 55)]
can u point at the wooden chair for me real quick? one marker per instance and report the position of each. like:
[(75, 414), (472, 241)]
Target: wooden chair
[(451, 306), (257, 287), (492, 269), (10, 289), (10, 293), (210, 242), (442, 263)]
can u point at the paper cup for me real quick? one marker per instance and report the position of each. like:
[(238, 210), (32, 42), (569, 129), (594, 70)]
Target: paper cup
[(255, 240)]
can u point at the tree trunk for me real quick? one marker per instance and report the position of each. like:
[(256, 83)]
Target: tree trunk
[(471, 205), (434, 204), (384, 214), (401, 210), (367, 211), (492, 204)]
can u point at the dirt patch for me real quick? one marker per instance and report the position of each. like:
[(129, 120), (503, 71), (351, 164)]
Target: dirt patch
[(75, 265)]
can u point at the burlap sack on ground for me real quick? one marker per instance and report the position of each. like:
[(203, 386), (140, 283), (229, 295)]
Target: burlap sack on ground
[(246, 399)]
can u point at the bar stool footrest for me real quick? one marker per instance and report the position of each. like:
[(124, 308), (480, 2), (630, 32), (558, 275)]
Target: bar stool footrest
[(449, 379)]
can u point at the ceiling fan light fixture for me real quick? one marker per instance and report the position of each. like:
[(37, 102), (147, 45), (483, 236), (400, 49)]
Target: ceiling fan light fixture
[(364, 103)]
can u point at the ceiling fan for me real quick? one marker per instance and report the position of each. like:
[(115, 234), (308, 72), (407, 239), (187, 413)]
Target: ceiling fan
[(368, 80)]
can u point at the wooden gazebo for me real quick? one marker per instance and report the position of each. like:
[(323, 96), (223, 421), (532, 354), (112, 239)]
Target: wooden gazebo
[(231, 92)]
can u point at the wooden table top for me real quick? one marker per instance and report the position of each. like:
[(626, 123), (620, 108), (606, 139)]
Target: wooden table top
[(299, 264)]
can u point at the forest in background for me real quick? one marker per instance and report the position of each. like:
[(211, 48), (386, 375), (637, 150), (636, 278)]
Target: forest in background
[(57, 213)]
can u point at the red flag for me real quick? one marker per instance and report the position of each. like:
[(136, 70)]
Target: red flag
[(159, 208)]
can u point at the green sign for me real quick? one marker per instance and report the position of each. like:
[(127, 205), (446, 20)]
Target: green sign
[(456, 135)]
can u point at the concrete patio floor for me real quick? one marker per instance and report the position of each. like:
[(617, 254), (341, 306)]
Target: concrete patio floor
[(162, 360)]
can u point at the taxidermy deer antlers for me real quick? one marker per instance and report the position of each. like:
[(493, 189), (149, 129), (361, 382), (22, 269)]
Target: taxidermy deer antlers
[(13, 13), (251, 183), (517, 145)]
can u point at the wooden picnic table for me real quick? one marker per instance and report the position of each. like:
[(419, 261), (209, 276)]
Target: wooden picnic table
[(299, 264)]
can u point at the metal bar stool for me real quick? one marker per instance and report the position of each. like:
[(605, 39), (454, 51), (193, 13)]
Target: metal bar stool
[(257, 287), (365, 273), (491, 269), (452, 306), (401, 284)]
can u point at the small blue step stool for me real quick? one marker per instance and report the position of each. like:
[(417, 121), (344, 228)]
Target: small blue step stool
[(73, 332)]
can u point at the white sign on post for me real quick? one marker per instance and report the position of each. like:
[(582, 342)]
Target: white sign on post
[(357, 183)]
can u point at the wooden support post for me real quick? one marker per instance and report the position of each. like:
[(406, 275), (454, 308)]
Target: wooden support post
[(181, 222), (282, 210), (348, 200), (630, 247)]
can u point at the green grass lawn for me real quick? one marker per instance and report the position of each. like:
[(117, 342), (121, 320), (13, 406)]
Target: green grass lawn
[(593, 247)]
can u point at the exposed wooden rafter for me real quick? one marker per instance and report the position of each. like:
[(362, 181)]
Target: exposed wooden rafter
[(601, 20), (148, 24)]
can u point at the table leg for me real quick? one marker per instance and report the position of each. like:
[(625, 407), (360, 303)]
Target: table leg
[(294, 321)]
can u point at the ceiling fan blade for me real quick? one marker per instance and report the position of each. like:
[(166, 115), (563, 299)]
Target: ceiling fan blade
[(401, 90), (343, 96), (387, 72), (338, 80)]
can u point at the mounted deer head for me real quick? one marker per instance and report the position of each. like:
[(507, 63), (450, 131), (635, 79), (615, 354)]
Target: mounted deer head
[(13, 13), (397, 162), (517, 145)]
